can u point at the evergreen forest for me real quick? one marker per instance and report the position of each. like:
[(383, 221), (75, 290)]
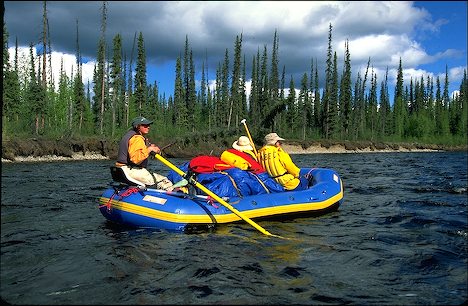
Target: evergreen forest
[(341, 110)]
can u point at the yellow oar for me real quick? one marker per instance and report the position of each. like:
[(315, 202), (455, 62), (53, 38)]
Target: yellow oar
[(248, 134), (213, 195)]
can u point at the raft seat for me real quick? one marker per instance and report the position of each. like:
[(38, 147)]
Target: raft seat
[(119, 175)]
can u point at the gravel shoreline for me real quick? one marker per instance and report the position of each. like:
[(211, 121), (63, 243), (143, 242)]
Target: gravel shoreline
[(317, 149), (52, 158), (291, 149)]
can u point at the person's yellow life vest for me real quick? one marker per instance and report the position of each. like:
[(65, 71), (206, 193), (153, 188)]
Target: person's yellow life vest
[(235, 160), (280, 166)]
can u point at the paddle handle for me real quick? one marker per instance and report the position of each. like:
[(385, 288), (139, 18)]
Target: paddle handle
[(243, 121)]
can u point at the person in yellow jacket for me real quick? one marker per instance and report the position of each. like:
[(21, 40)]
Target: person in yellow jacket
[(134, 151), (279, 164), (242, 156)]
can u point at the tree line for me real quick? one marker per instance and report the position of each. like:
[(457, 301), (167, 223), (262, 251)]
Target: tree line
[(341, 110)]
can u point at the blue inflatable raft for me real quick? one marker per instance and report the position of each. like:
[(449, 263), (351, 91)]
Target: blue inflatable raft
[(135, 206)]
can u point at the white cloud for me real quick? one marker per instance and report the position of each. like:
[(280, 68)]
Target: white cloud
[(457, 73), (414, 74), (385, 31), (69, 65)]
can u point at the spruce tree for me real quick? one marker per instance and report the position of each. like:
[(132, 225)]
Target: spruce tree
[(328, 87), (399, 105), (304, 106), (217, 99), (371, 118), (64, 100), (11, 88), (129, 98), (102, 68), (429, 102), (361, 105), (253, 98), (35, 95), (463, 107), (274, 74), (281, 124), (193, 106), (263, 86), (180, 107), (223, 100), (80, 102), (204, 119), (317, 102), (189, 93), (334, 109), (384, 115), (141, 94), (346, 94), (235, 101), (117, 85), (210, 107), (291, 108)]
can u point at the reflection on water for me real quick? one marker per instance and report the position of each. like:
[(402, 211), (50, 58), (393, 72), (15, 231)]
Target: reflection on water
[(400, 237)]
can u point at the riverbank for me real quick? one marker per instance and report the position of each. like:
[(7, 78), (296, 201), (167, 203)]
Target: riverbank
[(318, 149), (53, 158), (50, 151)]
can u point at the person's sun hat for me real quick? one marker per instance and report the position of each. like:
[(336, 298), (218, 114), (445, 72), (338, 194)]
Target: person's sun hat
[(140, 120), (242, 144), (272, 138)]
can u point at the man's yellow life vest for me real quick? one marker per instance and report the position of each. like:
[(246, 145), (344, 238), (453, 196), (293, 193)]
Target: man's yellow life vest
[(280, 166)]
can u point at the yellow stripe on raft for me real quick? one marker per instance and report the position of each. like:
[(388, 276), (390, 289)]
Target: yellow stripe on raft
[(156, 214), (225, 218)]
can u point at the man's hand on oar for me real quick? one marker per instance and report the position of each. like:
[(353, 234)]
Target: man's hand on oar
[(161, 150)]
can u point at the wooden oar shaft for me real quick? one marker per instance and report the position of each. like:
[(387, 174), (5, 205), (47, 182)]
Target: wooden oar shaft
[(228, 206), (213, 195), (167, 146), (250, 137)]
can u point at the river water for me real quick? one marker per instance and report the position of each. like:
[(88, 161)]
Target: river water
[(400, 237)]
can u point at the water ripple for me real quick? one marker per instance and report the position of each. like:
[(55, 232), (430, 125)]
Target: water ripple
[(399, 238)]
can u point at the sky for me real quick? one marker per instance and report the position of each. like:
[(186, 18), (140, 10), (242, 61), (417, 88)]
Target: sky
[(428, 36)]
